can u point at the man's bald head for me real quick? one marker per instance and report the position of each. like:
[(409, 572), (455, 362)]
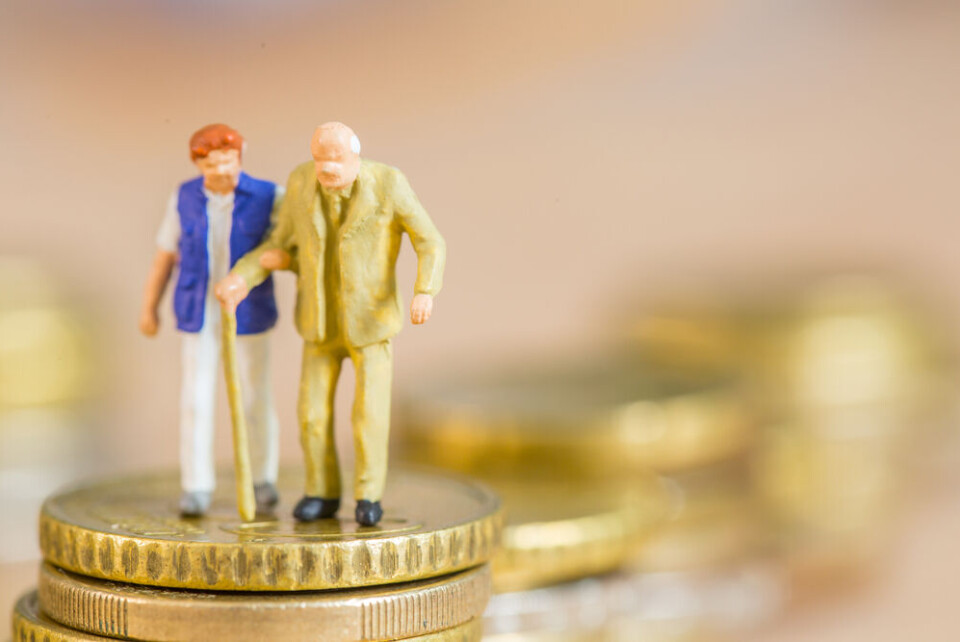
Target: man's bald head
[(336, 154)]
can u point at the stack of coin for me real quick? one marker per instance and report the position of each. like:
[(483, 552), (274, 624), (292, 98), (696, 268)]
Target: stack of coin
[(851, 378), (612, 473), (121, 564), (850, 383), (48, 370)]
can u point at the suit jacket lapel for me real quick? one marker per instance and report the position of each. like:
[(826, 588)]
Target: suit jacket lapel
[(360, 206), (310, 203)]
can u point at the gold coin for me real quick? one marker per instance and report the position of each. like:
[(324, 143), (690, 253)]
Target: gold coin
[(590, 420), (814, 481), (47, 353), (558, 530), (844, 344), (30, 624), (129, 530), (161, 615), (831, 498), (621, 607)]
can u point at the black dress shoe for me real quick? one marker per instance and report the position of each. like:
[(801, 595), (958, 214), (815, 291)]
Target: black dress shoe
[(368, 513), (309, 509)]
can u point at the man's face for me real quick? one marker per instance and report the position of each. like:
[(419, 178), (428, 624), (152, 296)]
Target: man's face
[(220, 169), (336, 165)]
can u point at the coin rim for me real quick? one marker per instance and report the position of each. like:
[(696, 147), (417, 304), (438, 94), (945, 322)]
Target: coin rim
[(112, 609), (27, 620), (535, 554), (271, 566)]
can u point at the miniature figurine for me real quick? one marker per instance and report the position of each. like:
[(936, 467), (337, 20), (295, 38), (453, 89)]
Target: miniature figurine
[(342, 221), (210, 222)]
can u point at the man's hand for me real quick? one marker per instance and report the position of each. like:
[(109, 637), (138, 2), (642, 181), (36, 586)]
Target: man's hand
[(421, 308), (275, 259), (231, 291), (149, 322)]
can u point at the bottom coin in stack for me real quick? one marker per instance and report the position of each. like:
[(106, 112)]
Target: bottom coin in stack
[(74, 607)]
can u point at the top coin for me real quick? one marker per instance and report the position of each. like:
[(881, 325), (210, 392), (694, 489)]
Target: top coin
[(129, 530)]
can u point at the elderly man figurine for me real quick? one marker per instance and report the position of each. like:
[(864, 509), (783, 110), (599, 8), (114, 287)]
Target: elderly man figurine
[(210, 222), (343, 220)]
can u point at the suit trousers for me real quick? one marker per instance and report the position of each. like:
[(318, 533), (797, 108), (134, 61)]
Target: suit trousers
[(373, 365), (201, 371)]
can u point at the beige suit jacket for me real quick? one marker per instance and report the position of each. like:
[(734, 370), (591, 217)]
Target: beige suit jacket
[(382, 207)]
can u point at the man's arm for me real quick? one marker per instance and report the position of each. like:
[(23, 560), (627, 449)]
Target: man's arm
[(277, 258), (161, 268), (157, 280), (430, 247), (274, 253), (280, 237)]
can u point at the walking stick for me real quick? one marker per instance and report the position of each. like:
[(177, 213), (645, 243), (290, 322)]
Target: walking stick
[(241, 450)]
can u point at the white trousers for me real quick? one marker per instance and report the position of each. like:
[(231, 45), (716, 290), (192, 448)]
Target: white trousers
[(202, 370)]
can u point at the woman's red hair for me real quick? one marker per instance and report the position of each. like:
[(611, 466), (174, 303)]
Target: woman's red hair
[(212, 137)]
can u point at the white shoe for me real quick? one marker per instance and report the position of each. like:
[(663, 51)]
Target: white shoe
[(194, 503)]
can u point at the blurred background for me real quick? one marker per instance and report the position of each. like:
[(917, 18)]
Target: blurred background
[(756, 196)]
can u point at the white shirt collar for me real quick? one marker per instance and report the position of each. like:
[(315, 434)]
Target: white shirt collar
[(215, 196)]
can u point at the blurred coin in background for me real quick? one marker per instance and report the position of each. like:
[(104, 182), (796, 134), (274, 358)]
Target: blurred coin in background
[(596, 419), (568, 449), (557, 530), (695, 605), (715, 521), (852, 381), (49, 374), (850, 372)]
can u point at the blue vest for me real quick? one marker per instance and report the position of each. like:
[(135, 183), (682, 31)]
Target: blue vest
[(252, 205)]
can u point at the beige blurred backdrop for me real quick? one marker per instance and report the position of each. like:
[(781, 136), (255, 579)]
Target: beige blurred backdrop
[(576, 156)]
